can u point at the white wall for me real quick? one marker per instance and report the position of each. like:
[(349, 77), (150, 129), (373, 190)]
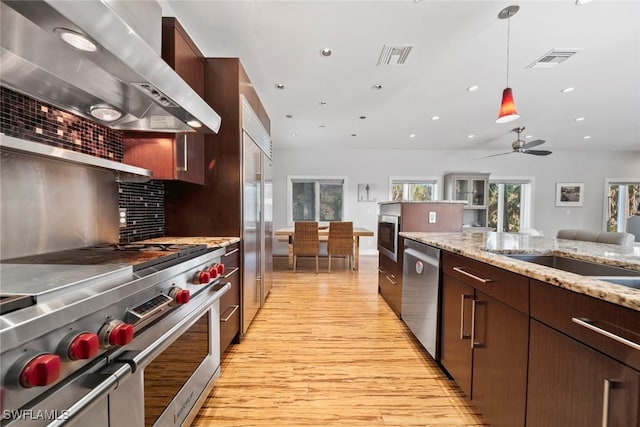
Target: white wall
[(375, 166)]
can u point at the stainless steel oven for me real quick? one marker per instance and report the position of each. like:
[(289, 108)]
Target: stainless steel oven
[(388, 229), (111, 344)]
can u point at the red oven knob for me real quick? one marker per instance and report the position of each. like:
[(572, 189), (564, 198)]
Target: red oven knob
[(179, 295), (202, 278), (84, 346), (81, 346), (115, 333), (220, 268), (213, 271), (40, 371)]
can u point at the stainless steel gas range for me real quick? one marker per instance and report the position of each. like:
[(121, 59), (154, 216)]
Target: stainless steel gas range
[(109, 335)]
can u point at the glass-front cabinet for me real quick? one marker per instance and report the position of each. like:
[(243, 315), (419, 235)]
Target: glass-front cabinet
[(473, 188)]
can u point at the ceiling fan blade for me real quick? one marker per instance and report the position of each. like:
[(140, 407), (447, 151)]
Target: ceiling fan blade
[(538, 152), (532, 144), (494, 155)]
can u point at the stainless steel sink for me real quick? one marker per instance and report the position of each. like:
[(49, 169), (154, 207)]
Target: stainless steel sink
[(608, 273)]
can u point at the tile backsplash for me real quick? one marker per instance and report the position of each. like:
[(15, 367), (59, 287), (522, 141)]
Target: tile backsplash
[(27, 118)]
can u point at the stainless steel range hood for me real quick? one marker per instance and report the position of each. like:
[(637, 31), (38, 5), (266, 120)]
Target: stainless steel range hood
[(124, 72)]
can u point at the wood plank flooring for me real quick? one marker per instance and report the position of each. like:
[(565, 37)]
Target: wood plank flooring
[(326, 350)]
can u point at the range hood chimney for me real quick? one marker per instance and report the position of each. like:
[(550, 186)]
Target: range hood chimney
[(124, 73)]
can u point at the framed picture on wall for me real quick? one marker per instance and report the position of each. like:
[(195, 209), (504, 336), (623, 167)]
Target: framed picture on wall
[(366, 192), (569, 193)]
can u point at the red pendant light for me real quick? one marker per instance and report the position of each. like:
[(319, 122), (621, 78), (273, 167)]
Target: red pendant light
[(508, 112)]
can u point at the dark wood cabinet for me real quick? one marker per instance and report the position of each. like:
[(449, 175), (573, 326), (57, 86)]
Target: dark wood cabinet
[(571, 384), (168, 156), (455, 344), (182, 54), (485, 335), (390, 279), (501, 343), (584, 362), (230, 302), (173, 156)]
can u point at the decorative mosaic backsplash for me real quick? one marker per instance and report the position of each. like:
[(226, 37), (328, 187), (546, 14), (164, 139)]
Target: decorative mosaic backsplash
[(27, 118), (144, 203)]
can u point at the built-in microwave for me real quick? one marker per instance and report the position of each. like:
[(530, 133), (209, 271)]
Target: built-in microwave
[(388, 229)]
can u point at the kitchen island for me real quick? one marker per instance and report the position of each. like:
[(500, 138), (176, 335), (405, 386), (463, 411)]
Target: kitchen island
[(491, 248), (534, 345)]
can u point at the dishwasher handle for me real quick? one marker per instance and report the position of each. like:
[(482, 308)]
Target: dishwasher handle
[(433, 261)]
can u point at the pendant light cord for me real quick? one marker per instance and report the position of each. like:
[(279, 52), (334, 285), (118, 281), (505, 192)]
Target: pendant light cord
[(508, 39)]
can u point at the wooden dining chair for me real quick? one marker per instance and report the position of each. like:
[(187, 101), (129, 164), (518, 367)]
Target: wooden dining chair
[(340, 241), (306, 241)]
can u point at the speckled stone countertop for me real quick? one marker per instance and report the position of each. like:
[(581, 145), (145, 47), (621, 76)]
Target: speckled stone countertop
[(490, 247), (211, 242)]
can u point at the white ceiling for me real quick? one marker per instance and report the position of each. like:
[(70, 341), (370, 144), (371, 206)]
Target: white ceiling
[(456, 44)]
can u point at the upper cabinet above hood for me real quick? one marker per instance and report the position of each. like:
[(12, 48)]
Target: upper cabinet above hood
[(124, 71)]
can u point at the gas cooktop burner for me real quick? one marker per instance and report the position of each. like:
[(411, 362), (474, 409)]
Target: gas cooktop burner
[(139, 256), (145, 247)]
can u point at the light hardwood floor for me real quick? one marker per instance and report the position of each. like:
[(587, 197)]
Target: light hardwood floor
[(326, 350)]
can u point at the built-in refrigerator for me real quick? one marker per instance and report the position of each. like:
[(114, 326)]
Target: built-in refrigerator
[(257, 222)]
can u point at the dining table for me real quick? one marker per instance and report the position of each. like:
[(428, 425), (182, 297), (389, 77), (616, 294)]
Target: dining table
[(323, 233)]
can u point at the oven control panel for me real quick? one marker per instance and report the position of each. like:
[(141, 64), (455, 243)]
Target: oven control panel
[(146, 311)]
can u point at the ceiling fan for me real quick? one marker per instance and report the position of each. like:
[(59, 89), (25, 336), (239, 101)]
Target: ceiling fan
[(519, 146)]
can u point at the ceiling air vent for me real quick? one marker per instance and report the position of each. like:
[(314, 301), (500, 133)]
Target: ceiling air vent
[(394, 55), (553, 58)]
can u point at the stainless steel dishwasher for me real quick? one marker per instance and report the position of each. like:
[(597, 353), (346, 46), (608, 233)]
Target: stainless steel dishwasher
[(420, 293)]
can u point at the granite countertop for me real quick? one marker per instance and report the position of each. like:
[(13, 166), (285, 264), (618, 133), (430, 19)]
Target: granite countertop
[(490, 247), (211, 242)]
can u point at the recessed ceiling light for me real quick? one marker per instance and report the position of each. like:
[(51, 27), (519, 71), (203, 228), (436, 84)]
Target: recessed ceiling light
[(376, 87), (473, 88), (323, 103), (294, 134), (413, 135), (363, 117), (279, 86), (289, 116), (568, 89), (75, 39), (581, 2), (529, 136), (194, 123), (471, 136), (579, 119), (586, 137), (435, 118), (105, 112), (326, 52)]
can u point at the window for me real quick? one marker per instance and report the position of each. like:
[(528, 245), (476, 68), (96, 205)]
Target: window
[(623, 199), (316, 199), (413, 189), (510, 204)]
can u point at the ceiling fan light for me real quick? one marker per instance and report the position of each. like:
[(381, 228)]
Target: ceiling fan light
[(508, 111)]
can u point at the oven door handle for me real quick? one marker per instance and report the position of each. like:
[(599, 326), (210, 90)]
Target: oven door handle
[(143, 357), (114, 373)]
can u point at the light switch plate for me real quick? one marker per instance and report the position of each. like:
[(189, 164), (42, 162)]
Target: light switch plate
[(432, 217)]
